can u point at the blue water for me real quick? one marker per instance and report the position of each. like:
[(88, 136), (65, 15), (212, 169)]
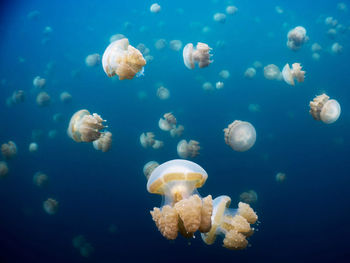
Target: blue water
[(304, 219)]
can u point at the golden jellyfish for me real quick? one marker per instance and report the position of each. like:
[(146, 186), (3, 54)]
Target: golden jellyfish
[(40, 179), (33, 147), (104, 142), (289, 74), (280, 177), (248, 197), (84, 127), (336, 48), (200, 54), (219, 17), (250, 73), (168, 123), (296, 38), (93, 60), (188, 149), (272, 72), (3, 169), (147, 139), (155, 8), (175, 45), (43, 99), (9, 150), (177, 131), (122, 59), (184, 210), (234, 224), (324, 109), (39, 82), (65, 97), (163, 93), (149, 167), (231, 10), (50, 206), (240, 135)]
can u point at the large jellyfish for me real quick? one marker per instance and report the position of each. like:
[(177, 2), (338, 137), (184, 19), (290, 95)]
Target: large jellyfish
[(289, 74), (92, 60), (296, 38), (3, 169), (50, 206), (122, 59), (43, 99), (9, 150), (84, 127), (184, 210), (104, 142), (149, 167), (324, 109), (240, 135), (188, 149), (168, 123), (40, 179), (234, 224), (198, 55)]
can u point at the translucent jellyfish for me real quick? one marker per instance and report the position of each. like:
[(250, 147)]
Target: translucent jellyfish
[(272, 72), (65, 97), (254, 107), (52, 134), (201, 55), (225, 74), (250, 73), (40, 179), (104, 142), (155, 8), (84, 247), (219, 85), (316, 56), (231, 10), (249, 197), (33, 147), (50, 206), (43, 99), (9, 150), (184, 210), (175, 45), (188, 149), (17, 96), (177, 131), (240, 135), (219, 17), (122, 59), (47, 30), (147, 139), (207, 86), (84, 127), (116, 37), (33, 15), (39, 82), (336, 48), (280, 177), (330, 21), (257, 64), (92, 60), (168, 123), (316, 47), (157, 144), (3, 169), (160, 44), (233, 224), (289, 74), (149, 167), (331, 33), (324, 109), (58, 117), (279, 10), (296, 38), (342, 6), (163, 93)]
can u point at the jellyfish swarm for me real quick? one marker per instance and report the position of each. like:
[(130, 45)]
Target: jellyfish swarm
[(149, 167), (289, 74), (324, 109), (296, 38), (122, 59), (240, 135), (188, 149), (104, 142), (84, 127), (234, 224), (50, 206), (198, 55), (9, 150), (184, 210)]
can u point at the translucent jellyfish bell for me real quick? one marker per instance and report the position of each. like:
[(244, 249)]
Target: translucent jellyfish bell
[(39, 82), (296, 38), (147, 139), (188, 149), (289, 74), (177, 131), (43, 99), (248, 197), (33, 147), (324, 109), (163, 93), (198, 55), (50, 206), (104, 142), (92, 60), (40, 179), (155, 8), (281, 177), (240, 135), (149, 167), (65, 97), (272, 72), (9, 150), (168, 123)]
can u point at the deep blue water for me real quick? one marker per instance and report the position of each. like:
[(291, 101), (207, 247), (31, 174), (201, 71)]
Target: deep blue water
[(304, 219)]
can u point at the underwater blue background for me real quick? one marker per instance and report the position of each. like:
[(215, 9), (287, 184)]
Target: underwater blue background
[(304, 219)]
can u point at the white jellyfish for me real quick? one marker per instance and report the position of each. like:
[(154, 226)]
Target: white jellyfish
[(336, 48), (50, 206), (324, 109), (289, 74), (225, 74), (155, 8), (149, 167), (188, 149), (231, 10), (65, 97), (160, 44), (175, 45), (168, 123), (219, 17), (296, 38), (9, 150), (3, 169), (250, 73), (92, 60), (33, 147), (104, 142), (163, 93), (200, 54), (219, 85), (240, 135), (147, 139), (43, 99), (207, 86), (177, 131), (272, 72), (39, 82)]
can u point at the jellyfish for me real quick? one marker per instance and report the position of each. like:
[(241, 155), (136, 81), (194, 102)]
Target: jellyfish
[(155, 8), (231, 10), (296, 38), (342, 6), (201, 55), (116, 37), (40, 179), (219, 85), (233, 224), (9, 150), (39, 82), (177, 131), (188, 149), (33, 147), (330, 21), (52, 134), (336, 48), (207, 86), (43, 99), (147, 139), (250, 73), (324, 109), (175, 45), (84, 247), (157, 144), (280, 177), (104, 142), (92, 60), (240, 135), (257, 64), (47, 30), (316, 47), (17, 96), (184, 210), (33, 15), (84, 127), (279, 10), (3, 169), (160, 44), (58, 117), (50, 206), (219, 17), (248, 197), (168, 123), (149, 167), (225, 74), (122, 59), (163, 93), (272, 72), (65, 97), (289, 74)]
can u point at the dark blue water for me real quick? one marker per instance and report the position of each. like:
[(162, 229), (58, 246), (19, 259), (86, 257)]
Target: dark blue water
[(304, 219)]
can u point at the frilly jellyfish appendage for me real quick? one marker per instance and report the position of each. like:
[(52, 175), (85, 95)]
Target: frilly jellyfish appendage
[(324, 109), (240, 135), (199, 55), (104, 142), (289, 74)]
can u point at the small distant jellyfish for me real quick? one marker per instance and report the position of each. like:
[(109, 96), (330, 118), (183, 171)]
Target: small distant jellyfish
[(280, 177), (249, 197), (43, 99), (257, 64), (316, 56), (155, 8), (332, 33), (200, 54), (116, 37), (316, 47), (122, 59), (231, 10), (225, 74), (177, 131), (168, 123), (188, 149), (33, 147), (175, 45), (33, 15), (337, 48), (84, 247), (58, 117), (289, 74), (163, 93), (240, 135), (9, 150), (207, 86), (250, 73), (84, 127), (149, 167), (50, 206), (219, 85), (272, 72), (17, 96), (104, 142), (65, 97), (324, 109), (206, 30), (330, 21), (157, 144), (3, 169), (39, 82), (52, 134), (40, 179), (147, 139), (254, 107), (92, 60), (234, 224), (279, 10), (219, 17), (160, 44), (47, 30), (296, 38), (342, 6)]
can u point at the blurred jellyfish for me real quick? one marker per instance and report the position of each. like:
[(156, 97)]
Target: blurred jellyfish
[(184, 210), (324, 109), (219, 85), (206, 30), (33, 15), (84, 127), (112, 229), (163, 93), (201, 55), (254, 107), (231, 10), (47, 30), (316, 47), (219, 17), (122, 59), (296, 38), (240, 135), (149, 167), (168, 123), (52, 134), (342, 6), (249, 197), (289, 74), (257, 64), (188, 149), (65, 97), (332, 33), (234, 224), (40, 179), (116, 37), (177, 131), (143, 49), (33, 147), (50, 206), (37, 134), (280, 177), (92, 60), (272, 72), (78, 241), (39, 82), (9, 150), (58, 117), (337, 48), (17, 97), (84, 247), (225, 74), (250, 73), (3, 169), (175, 45), (104, 142), (155, 8), (147, 139), (157, 144), (43, 99), (330, 21), (160, 44), (207, 86), (316, 56), (279, 10)]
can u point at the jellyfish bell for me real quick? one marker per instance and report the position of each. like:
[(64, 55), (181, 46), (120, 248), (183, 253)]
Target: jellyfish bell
[(65, 97), (219, 85), (175, 45), (122, 59), (188, 149), (168, 123), (280, 177), (296, 38), (9, 150), (177, 131), (155, 8), (116, 37), (289, 74), (250, 73), (163, 93), (40, 179), (207, 86), (149, 167), (324, 109), (219, 17), (249, 197), (147, 139), (225, 74), (316, 47), (18, 96), (231, 10), (50, 206), (158, 144), (160, 44), (33, 147), (240, 135), (272, 72), (316, 56), (3, 169), (199, 55), (92, 60), (104, 142), (43, 99), (336, 48), (39, 82)]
